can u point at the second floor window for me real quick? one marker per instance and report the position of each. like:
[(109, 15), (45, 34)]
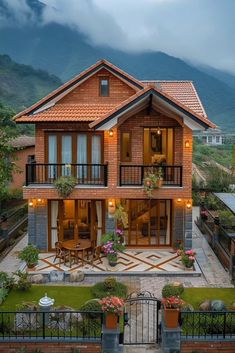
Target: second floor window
[(104, 87)]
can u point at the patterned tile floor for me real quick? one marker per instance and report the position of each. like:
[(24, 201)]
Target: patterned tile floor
[(131, 261)]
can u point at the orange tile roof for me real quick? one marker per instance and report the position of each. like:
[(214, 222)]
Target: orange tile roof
[(69, 112), (182, 91), (150, 88)]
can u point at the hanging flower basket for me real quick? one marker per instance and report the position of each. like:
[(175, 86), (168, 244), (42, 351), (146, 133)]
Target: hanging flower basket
[(152, 181)]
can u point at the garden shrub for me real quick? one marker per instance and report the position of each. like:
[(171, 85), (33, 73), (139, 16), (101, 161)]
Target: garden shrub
[(3, 294), (91, 321), (118, 289), (22, 281), (170, 290), (110, 283), (6, 281), (91, 305)]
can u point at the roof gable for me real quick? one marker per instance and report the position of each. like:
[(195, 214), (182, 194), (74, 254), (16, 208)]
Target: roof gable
[(139, 97), (66, 88)]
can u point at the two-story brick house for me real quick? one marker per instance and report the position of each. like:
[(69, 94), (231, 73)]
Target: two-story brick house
[(107, 128)]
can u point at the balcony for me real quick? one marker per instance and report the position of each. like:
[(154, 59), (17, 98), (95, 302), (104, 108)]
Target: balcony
[(133, 175), (85, 174)]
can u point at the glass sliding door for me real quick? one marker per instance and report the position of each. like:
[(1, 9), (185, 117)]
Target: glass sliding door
[(149, 222), (66, 154), (52, 156)]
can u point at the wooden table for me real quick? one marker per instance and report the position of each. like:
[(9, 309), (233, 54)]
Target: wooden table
[(71, 246)]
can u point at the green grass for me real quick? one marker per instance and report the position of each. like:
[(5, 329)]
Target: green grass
[(195, 296), (73, 296)]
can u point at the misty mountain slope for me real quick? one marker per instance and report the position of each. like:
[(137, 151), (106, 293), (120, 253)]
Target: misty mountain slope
[(66, 52), (21, 85)]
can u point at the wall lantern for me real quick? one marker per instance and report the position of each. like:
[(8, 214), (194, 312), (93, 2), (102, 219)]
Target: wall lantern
[(111, 133), (39, 200), (30, 203), (188, 204), (187, 144), (179, 200), (111, 206)]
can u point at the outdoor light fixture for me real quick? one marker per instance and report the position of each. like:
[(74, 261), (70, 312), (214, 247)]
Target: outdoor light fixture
[(159, 131), (110, 203), (31, 203), (187, 144), (179, 200), (188, 204), (39, 200), (110, 133)]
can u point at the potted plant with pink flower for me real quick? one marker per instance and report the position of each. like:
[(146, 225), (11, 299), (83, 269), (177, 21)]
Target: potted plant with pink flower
[(172, 307), (112, 307), (188, 257), (112, 244)]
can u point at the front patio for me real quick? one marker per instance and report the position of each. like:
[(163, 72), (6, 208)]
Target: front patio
[(138, 261)]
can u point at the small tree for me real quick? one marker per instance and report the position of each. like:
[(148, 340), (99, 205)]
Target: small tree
[(8, 131)]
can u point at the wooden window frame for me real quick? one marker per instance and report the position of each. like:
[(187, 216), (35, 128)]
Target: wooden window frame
[(100, 85), (122, 150), (74, 135)]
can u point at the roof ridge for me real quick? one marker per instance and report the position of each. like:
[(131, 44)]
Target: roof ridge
[(166, 81)]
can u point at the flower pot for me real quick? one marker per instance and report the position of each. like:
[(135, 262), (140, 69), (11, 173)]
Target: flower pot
[(159, 183), (112, 263), (171, 317), (111, 321), (31, 265)]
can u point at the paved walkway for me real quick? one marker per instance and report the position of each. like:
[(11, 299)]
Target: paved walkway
[(11, 263)]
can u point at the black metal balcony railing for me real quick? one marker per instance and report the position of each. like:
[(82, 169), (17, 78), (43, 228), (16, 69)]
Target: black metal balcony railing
[(55, 325), (133, 175), (85, 174)]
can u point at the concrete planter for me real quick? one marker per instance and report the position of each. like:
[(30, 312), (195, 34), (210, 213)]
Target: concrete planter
[(171, 317)]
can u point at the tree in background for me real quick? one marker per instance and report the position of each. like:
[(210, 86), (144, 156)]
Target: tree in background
[(8, 131)]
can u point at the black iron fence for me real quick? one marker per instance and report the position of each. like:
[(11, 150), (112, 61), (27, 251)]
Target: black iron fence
[(52, 325), (85, 174), (133, 175), (208, 325)]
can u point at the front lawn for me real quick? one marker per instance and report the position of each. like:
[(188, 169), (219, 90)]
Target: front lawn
[(195, 296), (73, 296)]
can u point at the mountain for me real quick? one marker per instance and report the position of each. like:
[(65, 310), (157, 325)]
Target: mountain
[(65, 52), (21, 85)]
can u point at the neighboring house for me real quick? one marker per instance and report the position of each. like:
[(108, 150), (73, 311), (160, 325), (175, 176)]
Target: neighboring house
[(212, 137), (25, 151), (107, 129)]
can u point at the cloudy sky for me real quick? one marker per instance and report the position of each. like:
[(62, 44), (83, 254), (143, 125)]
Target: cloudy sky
[(198, 30)]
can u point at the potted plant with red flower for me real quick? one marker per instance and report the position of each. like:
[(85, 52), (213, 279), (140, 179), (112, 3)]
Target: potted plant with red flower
[(153, 180), (172, 307), (188, 257), (113, 307)]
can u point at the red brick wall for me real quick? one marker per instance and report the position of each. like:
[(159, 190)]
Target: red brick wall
[(136, 124), (19, 178), (51, 347), (207, 347), (88, 92)]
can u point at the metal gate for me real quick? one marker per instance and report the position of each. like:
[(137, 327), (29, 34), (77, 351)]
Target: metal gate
[(143, 317)]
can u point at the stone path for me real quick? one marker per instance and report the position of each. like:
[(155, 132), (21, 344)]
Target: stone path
[(11, 263)]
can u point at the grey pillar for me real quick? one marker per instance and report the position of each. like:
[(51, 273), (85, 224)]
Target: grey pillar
[(110, 222), (170, 339), (110, 341), (188, 228), (38, 226)]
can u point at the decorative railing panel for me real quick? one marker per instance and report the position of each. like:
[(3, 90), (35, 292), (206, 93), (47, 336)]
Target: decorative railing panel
[(208, 325), (52, 326), (85, 174), (133, 175)]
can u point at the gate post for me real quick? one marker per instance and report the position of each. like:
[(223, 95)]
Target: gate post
[(110, 340), (170, 338)]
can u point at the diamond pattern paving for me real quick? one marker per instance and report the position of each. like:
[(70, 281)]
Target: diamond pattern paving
[(130, 261)]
